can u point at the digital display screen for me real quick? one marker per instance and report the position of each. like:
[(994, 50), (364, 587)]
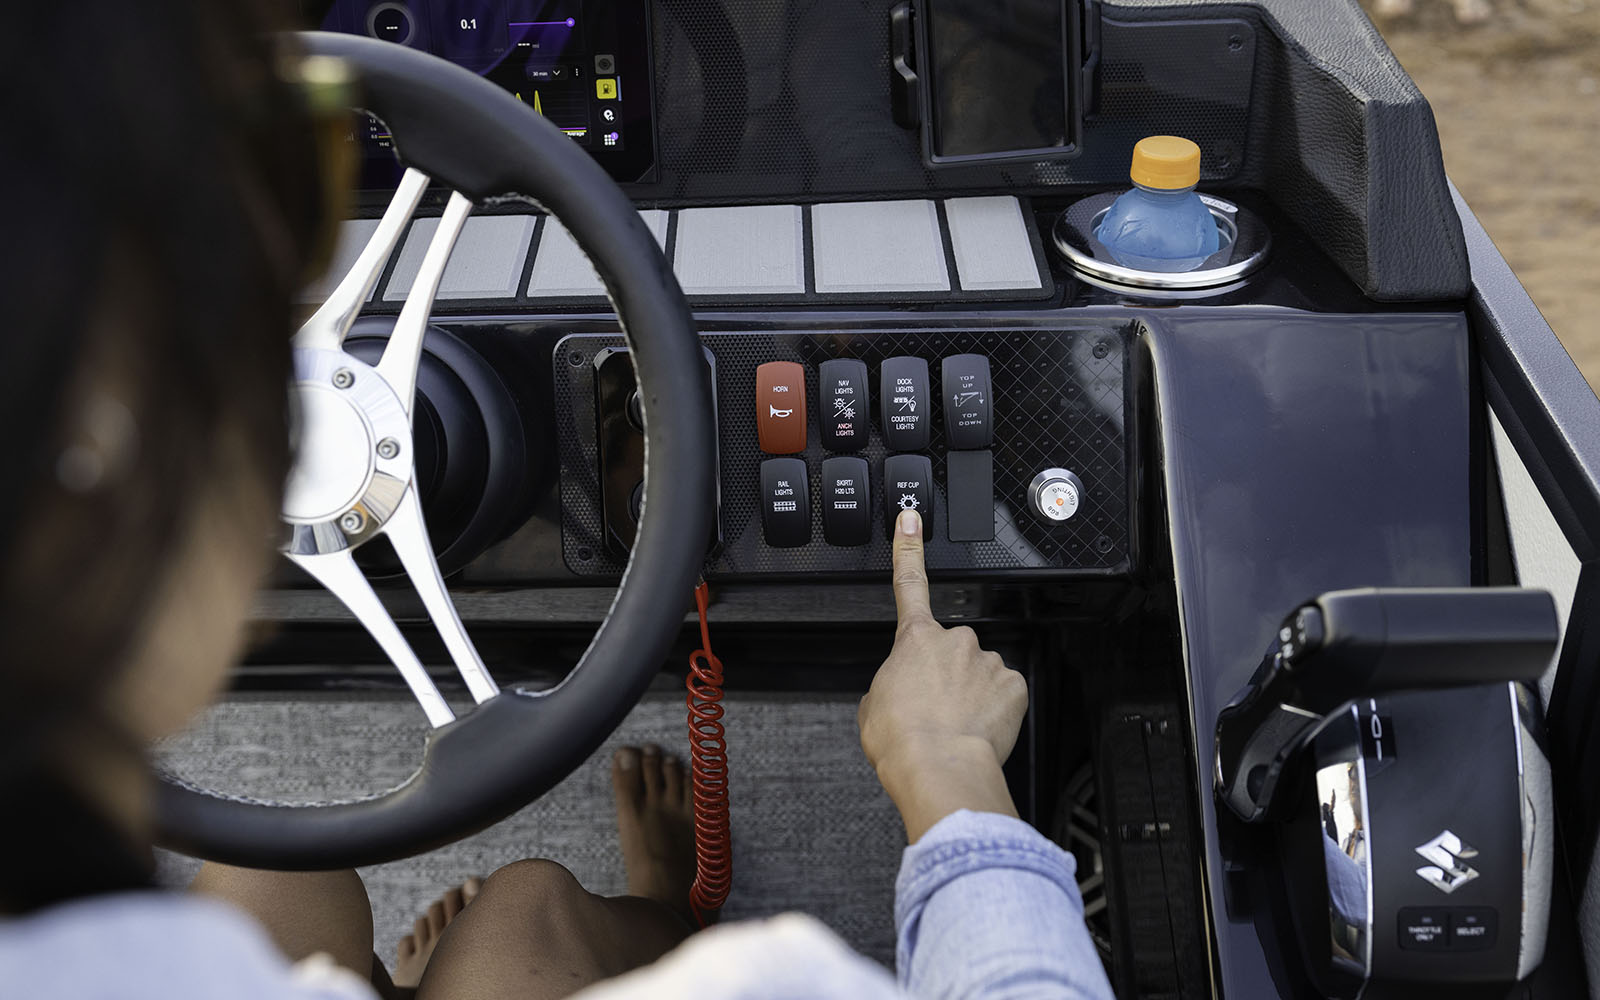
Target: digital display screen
[(582, 64), (996, 85)]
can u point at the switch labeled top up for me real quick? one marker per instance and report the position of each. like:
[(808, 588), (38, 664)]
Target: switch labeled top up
[(781, 407), (903, 396), (968, 410), (842, 388)]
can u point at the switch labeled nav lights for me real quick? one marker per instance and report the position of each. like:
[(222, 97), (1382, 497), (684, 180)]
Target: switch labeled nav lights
[(781, 407), (908, 485), (846, 501), (842, 392), (785, 502), (903, 396), (968, 415)]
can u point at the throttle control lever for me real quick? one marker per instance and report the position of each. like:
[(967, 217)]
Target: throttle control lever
[(1350, 644)]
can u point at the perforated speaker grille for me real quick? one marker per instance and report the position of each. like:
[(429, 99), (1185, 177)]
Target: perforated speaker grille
[(765, 99), (1058, 402)]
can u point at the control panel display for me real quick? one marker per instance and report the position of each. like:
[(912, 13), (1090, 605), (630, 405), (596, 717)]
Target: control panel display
[(583, 64)]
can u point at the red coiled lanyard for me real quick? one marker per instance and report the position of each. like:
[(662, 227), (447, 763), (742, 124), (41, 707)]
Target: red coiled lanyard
[(708, 770)]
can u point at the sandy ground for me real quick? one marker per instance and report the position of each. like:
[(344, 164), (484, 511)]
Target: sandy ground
[(1517, 99)]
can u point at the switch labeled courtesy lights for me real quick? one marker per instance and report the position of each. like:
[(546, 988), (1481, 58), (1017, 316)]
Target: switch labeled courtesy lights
[(846, 501), (908, 485), (781, 407), (842, 395), (904, 398), (968, 407), (785, 502)]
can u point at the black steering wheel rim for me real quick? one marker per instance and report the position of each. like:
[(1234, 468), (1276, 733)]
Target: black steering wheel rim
[(469, 134)]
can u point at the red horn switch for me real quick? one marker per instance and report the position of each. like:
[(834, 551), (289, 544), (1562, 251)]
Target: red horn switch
[(781, 407)]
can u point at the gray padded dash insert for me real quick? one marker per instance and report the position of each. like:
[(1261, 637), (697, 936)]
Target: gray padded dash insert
[(741, 250), (992, 248), (812, 828), (352, 239), (560, 268), (486, 263), (878, 246)]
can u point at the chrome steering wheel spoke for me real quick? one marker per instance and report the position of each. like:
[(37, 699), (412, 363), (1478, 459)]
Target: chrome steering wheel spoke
[(327, 327), (338, 572), (355, 474)]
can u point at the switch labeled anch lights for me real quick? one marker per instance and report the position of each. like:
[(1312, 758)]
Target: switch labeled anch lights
[(968, 406), (904, 398), (908, 485), (781, 407), (846, 501), (785, 502), (842, 392)]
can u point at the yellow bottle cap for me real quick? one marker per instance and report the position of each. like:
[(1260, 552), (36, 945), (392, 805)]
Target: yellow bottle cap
[(1166, 162)]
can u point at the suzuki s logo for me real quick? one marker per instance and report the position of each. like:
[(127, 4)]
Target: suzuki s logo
[(1447, 870)]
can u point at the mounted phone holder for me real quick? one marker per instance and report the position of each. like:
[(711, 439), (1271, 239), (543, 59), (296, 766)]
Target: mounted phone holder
[(1383, 759)]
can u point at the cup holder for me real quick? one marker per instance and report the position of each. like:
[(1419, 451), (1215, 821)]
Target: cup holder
[(1243, 237)]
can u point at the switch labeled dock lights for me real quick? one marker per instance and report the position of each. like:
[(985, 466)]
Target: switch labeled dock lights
[(842, 388), (785, 503), (903, 397), (968, 414), (781, 407), (908, 485), (846, 501)]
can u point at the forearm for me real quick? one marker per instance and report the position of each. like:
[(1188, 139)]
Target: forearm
[(930, 779), (987, 908)]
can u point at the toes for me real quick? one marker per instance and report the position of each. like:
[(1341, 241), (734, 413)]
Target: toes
[(470, 888), (421, 932), (452, 904), (408, 947), (672, 780), (627, 781), (436, 918), (650, 770)]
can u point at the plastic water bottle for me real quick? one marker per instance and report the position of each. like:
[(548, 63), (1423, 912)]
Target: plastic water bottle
[(1161, 224)]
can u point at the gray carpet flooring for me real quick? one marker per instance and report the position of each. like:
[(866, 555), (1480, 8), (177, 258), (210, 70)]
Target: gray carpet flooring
[(813, 831)]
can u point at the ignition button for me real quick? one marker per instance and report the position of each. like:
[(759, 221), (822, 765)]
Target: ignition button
[(1055, 494)]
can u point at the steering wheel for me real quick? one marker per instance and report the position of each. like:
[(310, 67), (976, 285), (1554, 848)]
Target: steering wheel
[(354, 480)]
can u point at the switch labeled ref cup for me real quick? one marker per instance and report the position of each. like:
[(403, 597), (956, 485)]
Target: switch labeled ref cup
[(781, 407), (908, 485)]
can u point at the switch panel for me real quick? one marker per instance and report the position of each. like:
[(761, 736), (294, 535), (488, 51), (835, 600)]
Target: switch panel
[(781, 407), (785, 503), (968, 406), (842, 391), (908, 485), (846, 500), (904, 397)]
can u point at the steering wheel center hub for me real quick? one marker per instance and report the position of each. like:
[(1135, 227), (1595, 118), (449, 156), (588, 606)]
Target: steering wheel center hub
[(334, 456)]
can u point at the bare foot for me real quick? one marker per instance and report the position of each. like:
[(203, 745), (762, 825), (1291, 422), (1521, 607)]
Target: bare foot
[(416, 948), (655, 823)]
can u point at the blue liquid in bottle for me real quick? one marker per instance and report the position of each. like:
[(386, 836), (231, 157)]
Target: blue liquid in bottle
[(1166, 228)]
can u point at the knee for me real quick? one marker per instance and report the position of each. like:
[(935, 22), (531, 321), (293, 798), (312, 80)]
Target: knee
[(535, 883)]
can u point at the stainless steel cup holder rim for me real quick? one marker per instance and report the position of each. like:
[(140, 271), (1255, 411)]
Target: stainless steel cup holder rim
[(1245, 242)]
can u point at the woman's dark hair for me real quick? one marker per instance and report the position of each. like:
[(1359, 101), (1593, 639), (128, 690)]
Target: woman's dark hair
[(163, 202)]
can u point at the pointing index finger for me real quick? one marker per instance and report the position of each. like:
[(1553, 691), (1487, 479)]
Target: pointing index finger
[(910, 574)]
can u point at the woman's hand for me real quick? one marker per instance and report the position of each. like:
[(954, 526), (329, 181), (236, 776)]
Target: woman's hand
[(942, 714)]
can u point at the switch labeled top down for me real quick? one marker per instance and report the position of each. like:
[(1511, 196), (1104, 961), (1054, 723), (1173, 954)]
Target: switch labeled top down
[(904, 398), (968, 410), (781, 407), (842, 392)]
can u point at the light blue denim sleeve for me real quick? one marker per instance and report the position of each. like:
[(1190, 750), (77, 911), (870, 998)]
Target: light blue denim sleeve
[(987, 908)]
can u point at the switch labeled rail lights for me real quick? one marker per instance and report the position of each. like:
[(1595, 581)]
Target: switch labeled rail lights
[(904, 398), (785, 502)]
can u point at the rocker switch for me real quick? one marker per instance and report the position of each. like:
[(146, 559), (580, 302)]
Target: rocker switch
[(842, 388), (785, 503), (781, 407), (968, 406), (904, 399), (908, 485), (846, 501)]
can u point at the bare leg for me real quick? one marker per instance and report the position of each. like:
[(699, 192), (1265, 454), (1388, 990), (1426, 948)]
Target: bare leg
[(415, 949), (304, 912), (533, 933)]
